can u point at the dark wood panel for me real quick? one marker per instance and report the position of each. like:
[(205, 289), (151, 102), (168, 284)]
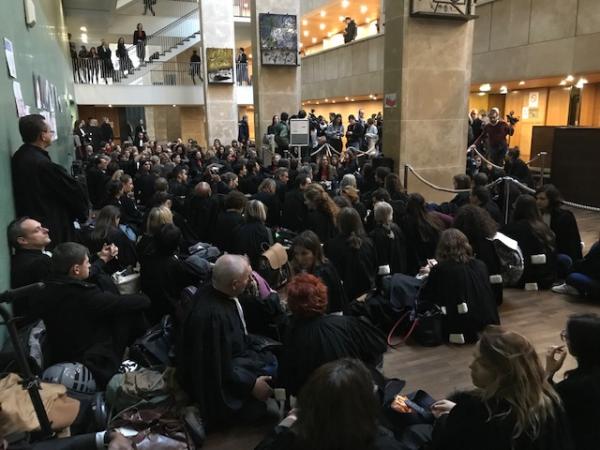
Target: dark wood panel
[(576, 164), (542, 140)]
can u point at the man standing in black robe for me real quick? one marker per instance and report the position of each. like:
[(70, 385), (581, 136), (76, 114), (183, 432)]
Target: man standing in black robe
[(223, 369), (42, 189)]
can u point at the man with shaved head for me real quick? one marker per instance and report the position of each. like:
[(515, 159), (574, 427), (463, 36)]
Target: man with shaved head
[(222, 368), (201, 210)]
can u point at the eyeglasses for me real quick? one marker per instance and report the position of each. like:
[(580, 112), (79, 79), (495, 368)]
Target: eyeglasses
[(563, 335)]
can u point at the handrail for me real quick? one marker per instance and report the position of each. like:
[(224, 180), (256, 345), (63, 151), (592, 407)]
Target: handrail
[(165, 28)]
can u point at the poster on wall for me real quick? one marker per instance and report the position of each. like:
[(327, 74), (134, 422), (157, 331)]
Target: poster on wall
[(534, 99), (219, 65), (9, 52), (278, 39), (525, 113), (21, 107), (390, 100)]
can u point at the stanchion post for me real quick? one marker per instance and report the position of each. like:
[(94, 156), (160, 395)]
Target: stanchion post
[(406, 178), (506, 198), (543, 169)]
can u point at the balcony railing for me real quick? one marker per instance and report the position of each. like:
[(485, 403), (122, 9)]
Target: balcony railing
[(243, 74), (242, 8)]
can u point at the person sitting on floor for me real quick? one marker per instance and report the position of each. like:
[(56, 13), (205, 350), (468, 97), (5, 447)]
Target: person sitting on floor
[(314, 338), (460, 285), (562, 222), (30, 262), (223, 368), (307, 256), (512, 407), (353, 255), (584, 277), (388, 239), (337, 409), (537, 242), (84, 323), (580, 388)]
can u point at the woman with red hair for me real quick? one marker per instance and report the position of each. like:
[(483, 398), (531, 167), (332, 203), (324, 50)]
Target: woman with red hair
[(314, 338)]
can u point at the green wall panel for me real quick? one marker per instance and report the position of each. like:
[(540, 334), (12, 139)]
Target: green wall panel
[(42, 50)]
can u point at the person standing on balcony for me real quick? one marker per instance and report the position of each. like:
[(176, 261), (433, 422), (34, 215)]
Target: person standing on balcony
[(148, 5), (195, 62), (104, 53), (139, 40), (242, 67), (350, 31), (125, 63)]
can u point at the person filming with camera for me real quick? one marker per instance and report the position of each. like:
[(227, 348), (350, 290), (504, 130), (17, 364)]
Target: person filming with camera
[(496, 132)]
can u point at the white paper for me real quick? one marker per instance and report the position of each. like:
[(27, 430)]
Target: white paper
[(21, 109), (10, 58), (525, 113), (534, 99)]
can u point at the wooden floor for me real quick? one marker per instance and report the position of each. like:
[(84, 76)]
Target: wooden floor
[(441, 370)]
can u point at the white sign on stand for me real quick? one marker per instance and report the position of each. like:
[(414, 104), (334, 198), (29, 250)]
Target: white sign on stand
[(299, 133)]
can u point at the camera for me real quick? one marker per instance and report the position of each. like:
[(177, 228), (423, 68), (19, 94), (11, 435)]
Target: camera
[(512, 119)]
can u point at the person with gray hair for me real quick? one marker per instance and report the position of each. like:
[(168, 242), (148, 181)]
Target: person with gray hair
[(253, 237), (389, 241), (348, 180), (220, 366)]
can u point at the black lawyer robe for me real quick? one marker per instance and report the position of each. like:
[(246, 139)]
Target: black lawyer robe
[(390, 250), (45, 191), (310, 343), (217, 360), (27, 267)]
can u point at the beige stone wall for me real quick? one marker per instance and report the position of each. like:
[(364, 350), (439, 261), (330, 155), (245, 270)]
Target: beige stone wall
[(193, 124), (525, 39), (427, 64), (352, 70)]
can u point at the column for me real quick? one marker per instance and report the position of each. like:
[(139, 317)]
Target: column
[(217, 30), (276, 88), (427, 65)]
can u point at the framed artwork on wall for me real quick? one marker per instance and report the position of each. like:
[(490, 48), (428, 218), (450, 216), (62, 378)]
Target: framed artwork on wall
[(443, 9), (278, 39), (219, 65)]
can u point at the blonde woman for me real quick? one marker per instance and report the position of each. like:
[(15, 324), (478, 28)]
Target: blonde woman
[(253, 237), (513, 406)]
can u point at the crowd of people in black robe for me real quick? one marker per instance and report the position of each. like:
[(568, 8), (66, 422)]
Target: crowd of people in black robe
[(238, 339)]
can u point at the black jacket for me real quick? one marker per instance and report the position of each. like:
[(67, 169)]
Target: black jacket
[(469, 427), (27, 267), (543, 274), (201, 214), (271, 201), (87, 325), (568, 239), (357, 267), (419, 248), (336, 296), (294, 210), (310, 343), (451, 284), (107, 132), (45, 191), (96, 184), (321, 223), (224, 237), (390, 250), (217, 362), (580, 394), (252, 239)]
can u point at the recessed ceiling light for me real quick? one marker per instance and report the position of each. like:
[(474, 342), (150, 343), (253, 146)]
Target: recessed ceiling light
[(346, 98), (326, 100), (481, 94), (333, 101), (562, 83), (503, 90), (84, 29), (174, 106), (317, 103), (110, 106), (521, 83), (314, 40), (305, 33), (321, 26), (486, 87), (322, 13), (341, 18), (570, 78), (363, 9), (305, 22), (351, 99), (345, 3)]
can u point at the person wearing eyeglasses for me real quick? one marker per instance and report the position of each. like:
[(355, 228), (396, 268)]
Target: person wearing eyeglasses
[(43, 190), (580, 388)]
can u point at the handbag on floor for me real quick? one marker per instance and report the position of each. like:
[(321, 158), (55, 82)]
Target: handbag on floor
[(274, 266)]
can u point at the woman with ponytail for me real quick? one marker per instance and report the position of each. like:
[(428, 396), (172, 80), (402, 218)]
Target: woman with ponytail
[(353, 254)]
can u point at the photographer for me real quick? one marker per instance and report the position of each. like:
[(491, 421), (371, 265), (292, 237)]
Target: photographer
[(496, 132)]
